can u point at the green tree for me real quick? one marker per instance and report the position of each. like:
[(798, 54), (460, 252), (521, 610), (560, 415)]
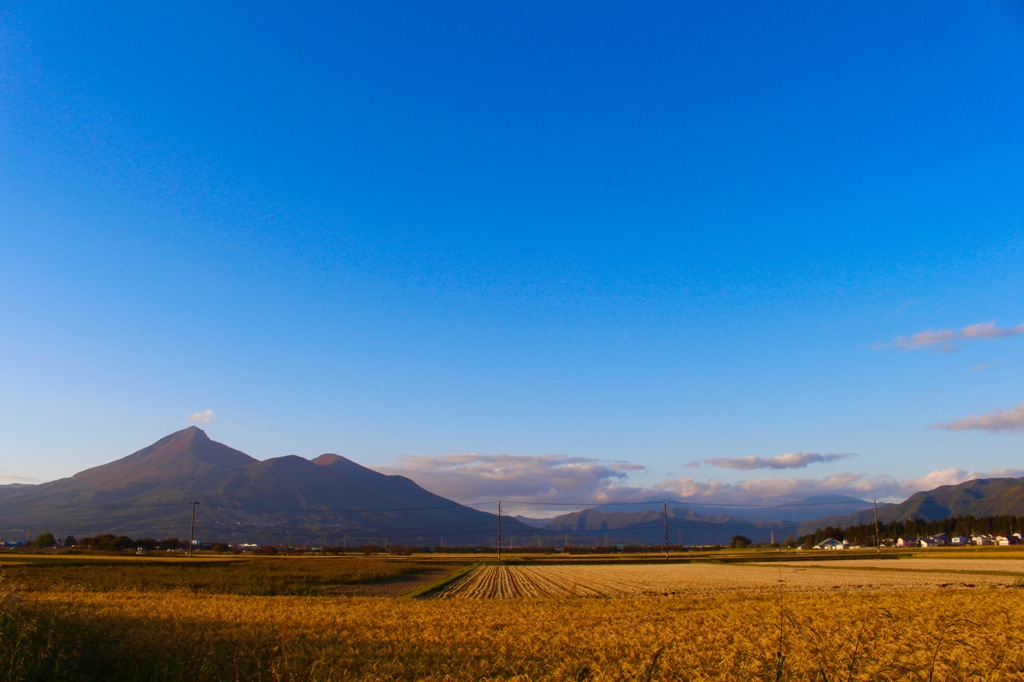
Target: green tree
[(45, 540), (739, 542)]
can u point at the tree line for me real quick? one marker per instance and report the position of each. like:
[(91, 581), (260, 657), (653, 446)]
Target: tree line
[(108, 542), (966, 525)]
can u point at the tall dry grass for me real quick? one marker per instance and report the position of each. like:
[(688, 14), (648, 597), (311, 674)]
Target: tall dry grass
[(834, 635)]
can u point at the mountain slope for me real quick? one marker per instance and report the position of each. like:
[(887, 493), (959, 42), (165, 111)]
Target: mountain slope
[(980, 497)]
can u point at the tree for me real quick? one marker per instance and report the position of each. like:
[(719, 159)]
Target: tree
[(70, 541), (45, 540), (739, 542), (169, 544)]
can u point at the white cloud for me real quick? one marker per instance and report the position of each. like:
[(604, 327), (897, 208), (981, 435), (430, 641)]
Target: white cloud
[(789, 460), (15, 478), (204, 417), (1000, 420), (946, 339)]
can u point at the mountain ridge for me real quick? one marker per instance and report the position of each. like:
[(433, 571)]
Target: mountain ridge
[(977, 497)]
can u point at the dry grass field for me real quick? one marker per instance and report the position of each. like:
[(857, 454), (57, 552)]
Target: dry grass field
[(646, 621)]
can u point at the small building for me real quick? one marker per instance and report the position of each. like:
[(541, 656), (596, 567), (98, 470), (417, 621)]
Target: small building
[(908, 542), (959, 540), (982, 540), (830, 543), (939, 540)]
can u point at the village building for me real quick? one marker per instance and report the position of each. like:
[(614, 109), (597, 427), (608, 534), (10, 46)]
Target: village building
[(830, 543)]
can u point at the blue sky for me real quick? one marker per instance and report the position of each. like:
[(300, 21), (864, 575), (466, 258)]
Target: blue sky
[(543, 251)]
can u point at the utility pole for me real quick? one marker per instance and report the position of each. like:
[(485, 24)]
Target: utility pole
[(499, 530), (192, 529), (878, 545), (666, 528)]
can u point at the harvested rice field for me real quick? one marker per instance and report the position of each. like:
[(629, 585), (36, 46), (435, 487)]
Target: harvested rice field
[(610, 580), (919, 563)]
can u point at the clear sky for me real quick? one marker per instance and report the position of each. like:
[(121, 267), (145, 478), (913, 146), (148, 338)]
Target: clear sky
[(550, 251)]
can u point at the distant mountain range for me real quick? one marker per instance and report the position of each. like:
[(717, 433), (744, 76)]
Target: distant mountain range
[(648, 527), (331, 500), (697, 524), (757, 509)]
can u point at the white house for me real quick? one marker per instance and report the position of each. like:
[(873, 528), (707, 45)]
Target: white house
[(940, 540), (830, 543)]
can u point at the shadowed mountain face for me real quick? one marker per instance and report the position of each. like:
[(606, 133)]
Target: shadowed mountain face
[(330, 500)]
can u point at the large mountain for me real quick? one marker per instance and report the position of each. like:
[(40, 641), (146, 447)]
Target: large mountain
[(980, 497), (328, 500)]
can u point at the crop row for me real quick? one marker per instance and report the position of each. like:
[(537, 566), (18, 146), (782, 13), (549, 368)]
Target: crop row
[(547, 581)]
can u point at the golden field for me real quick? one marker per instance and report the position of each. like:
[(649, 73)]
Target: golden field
[(759, 630)]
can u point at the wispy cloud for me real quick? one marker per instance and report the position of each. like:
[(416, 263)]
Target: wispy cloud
[(946, 339), (473, 477), (1000, 420), (204, 417), (789, 460), (15, 478)]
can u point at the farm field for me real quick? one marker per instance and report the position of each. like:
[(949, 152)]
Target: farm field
[(247, 576), (504, 581), (972, 565), (746, 626)]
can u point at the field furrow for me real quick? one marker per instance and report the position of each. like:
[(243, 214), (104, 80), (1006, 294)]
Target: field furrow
[(548, 581)]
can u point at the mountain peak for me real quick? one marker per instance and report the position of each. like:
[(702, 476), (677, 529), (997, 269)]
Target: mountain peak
[(329, 458), (183, 454), (191, 433)]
